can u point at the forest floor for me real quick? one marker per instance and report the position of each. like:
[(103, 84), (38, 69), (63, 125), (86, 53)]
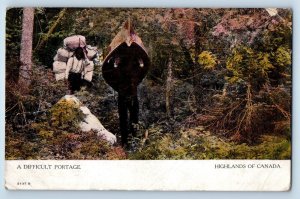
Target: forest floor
[(181, 136)]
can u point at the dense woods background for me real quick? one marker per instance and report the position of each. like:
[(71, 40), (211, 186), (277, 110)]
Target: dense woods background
[(219, 86)]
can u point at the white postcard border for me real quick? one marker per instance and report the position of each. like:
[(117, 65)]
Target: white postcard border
[(166, 175)]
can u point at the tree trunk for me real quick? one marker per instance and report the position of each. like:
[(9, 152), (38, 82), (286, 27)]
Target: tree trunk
[(168, 88), (26, 47)]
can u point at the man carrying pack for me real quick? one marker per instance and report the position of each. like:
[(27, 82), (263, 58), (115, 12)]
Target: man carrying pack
[(74, 62), (75, 69), (124, 68)]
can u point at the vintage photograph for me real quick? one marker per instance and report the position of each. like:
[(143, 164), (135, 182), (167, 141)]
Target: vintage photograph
[(148, 84)]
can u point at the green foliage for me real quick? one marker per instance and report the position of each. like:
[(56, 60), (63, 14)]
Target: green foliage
[(207, 60), (12, 42), (248, 66), (283, 57), (196, 144), (45, 18), (261, 67), (13, 31), (267, 59), (65, 113)]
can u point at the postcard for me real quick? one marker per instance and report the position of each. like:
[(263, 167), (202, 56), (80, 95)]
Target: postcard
[(169, 99)]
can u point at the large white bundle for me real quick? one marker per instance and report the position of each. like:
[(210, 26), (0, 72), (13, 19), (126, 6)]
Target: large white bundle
[(59, 76), (59, 67), (88, 71), (91, 52), (55, 58), (63, 54), (74, 42)]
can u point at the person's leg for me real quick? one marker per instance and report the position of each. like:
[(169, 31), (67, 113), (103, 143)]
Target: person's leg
[(134, 114), (77, 81), (70, 84), (74, 82), (122, 108), (70, 90)]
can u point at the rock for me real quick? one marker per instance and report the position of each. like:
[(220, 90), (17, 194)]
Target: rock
[(72, 98), (90, 121)]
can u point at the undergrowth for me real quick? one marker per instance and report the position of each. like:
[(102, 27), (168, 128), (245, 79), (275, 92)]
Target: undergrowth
[(37, 127), (58, 136), (198, 144), (40, 127)]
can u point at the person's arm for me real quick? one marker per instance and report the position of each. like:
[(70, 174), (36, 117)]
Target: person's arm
[(69, 66)]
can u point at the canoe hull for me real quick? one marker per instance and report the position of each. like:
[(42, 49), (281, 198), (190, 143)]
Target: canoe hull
[(129, 70), (127, 61)]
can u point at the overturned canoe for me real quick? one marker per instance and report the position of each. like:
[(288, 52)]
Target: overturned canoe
[(127, 61)]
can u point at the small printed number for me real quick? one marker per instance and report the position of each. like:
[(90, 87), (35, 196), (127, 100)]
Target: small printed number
[(23, 183)]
